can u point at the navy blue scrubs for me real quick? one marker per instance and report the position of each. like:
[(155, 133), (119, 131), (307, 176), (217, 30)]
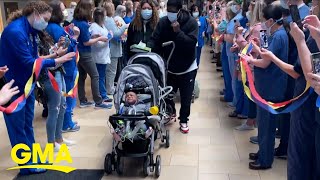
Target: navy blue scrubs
[(228, 93), (317, 144), (301, 149), (270, 83), (19, 50)]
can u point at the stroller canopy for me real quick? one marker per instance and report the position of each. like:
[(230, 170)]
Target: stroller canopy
[(154, 62), (135, 71)]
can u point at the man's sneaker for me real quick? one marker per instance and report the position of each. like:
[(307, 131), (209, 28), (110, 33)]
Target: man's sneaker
[(103, 106), (86, 104), (184, 128), (107, 99), (244, 127), (280, 154), (254, 140)]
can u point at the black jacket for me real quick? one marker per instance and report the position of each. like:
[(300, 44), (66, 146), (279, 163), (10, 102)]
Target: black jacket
[(185, 41), (134, 37)]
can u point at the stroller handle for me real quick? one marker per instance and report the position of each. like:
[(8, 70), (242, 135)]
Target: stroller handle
[(173, 47)]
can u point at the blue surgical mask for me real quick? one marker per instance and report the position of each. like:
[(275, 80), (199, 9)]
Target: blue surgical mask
[(172, 16), (40, 24), (146, 14)]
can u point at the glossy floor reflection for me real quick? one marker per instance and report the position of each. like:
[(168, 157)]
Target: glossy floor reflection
[(212, 150)]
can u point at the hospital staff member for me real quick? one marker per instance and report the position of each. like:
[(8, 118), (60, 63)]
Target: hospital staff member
[(270, 83), (19, 50), (202, 23)]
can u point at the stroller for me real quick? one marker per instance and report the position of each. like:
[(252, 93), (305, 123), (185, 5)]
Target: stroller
[(135, 132)]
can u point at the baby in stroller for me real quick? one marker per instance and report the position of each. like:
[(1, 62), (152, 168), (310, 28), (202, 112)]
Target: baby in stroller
[(134, 105)]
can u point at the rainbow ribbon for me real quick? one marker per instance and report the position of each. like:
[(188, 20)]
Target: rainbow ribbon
[(73, 92), (253, 95), (20, 102)]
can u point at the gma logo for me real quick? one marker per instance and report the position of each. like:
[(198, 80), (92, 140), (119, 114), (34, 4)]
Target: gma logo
[(63, 155)]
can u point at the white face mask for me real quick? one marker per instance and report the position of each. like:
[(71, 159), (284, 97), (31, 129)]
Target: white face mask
[(264, 27), (39, 24), (195, 14), (248, 15), (234, 9), (65, 14), (172, 16)]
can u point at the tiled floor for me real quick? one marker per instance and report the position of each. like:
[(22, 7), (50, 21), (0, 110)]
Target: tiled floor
[(212, 150)]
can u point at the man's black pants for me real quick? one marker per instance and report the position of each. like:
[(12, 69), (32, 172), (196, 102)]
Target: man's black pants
[(185, 84)]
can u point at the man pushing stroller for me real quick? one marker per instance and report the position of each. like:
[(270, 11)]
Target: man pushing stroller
[(183, 65)]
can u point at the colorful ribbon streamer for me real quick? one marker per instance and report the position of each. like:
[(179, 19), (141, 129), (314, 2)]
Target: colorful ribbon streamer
[(20, 102), (73, 92), (254, 96)]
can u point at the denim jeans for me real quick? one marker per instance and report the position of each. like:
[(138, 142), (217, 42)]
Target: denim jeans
[(56, 107), (102, 79), (71, 103)]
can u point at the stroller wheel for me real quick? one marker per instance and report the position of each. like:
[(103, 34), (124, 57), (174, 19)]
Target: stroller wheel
[(119, 165), (167, 139), (146, 164), (108, 164), (158, 166)]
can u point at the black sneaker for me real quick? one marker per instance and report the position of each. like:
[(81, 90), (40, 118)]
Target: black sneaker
[(278, 153), (86, 104)]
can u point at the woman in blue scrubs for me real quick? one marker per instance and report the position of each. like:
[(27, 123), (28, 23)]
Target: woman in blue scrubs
[(301, 149), (270, 83), (202, 23), (304, 50), (19, 50)]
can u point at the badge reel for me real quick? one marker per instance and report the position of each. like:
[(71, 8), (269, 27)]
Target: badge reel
[(263, 39), (315, 61)]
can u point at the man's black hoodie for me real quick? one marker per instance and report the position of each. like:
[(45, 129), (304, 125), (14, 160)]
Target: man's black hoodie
[(185, 41)]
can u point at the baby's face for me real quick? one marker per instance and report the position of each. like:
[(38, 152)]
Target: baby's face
[(131, 98)]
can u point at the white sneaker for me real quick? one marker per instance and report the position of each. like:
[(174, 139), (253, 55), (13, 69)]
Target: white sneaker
[(57, 147), (244, 127), (68, 142)]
